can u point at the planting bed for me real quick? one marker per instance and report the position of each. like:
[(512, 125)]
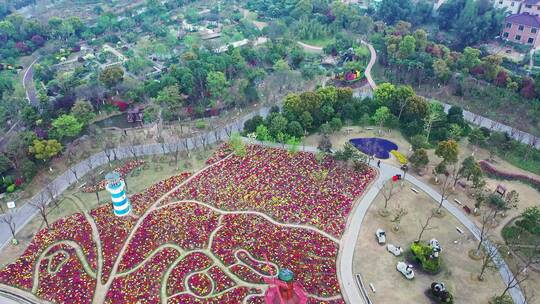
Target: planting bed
[(209, 238), (374, 146)]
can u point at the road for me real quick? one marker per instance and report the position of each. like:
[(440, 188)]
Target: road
[(372, 61), (28, 84), (310, 48)]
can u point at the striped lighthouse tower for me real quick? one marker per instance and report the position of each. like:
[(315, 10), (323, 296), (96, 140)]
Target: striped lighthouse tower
[(115, 186)]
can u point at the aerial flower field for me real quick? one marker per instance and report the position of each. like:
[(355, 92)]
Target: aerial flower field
[(208, 237)]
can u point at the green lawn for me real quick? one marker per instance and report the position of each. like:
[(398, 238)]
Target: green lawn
[(321, 42)]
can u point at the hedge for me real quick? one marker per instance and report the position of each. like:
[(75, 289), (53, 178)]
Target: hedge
[(422, 252), (400, 157), (494, 172)]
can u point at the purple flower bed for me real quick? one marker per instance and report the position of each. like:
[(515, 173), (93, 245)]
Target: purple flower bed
[(374, 146), (492, 171)]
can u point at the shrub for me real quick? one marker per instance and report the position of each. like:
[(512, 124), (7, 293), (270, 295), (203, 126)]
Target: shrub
[(10, 188), (494, 172), (200, 125), (422, 252), (400, 157)]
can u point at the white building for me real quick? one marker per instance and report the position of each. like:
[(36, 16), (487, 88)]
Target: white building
[(511, 6)]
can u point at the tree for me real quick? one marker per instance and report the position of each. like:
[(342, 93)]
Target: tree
[(470, 58), (419, 159), (278, 124), (425, 226), (385, 94), (111, 76), (41, 203), (407, 47), (325, 144), (217, 85), (441, 70), (262, 133), (448, 150), (419, 141), (381, 115), (237, 145), (490, 257), (387, 191), (170, 96), (470, 169), (5, 163), (9, 219), (82, 110), (66, 126), (45, 149)]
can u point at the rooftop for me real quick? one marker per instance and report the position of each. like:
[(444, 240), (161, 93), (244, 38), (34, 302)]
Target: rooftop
[(525, 19)]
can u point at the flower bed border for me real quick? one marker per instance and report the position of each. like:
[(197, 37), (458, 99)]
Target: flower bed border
[(494, 172)]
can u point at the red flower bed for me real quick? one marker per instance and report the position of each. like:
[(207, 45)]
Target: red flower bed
[(490, 170), (200, 284), (143, 284), (223, 151), (283, 186), (191, 263), (311, 256), (68, 283), (216, 254), (141, 201), (73, 228), (122, 170), (185, 225)]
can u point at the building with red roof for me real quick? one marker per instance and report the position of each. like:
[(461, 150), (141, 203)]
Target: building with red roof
[(522, 28)]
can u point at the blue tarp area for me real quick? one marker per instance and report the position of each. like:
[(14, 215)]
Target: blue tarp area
[(374, 146)]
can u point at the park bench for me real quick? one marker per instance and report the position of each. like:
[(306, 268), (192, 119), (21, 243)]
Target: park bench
[(458, 202)]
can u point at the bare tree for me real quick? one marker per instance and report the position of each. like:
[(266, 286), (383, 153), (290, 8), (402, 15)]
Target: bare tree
[(52, 190), (445, 188), (490, 259), (109, 148), (42, 206), (426, 226), (175, 148), (71, 156), (133, 146), (229, 130), (399, 213), (162, 144), (217, 134), (486, 220), (95, 180), (387, 191), (204, 140), (9, 219), (522, 274), (185, 144)]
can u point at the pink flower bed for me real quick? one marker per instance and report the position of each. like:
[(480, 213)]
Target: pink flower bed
[(123, 171), (223, 151), (74, 228), (143, 284), (311, 256), (141, 201), (269, 181), (71, 284), (283, 186), (490, 170)]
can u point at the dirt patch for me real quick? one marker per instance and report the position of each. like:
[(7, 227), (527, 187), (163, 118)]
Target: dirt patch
[(378, 266)]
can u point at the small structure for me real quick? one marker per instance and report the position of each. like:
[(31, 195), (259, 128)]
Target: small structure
[(284, 290), (135, 115), (115, 186), (501, 190)]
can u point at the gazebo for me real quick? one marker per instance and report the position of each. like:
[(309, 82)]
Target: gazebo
[(283, 289)]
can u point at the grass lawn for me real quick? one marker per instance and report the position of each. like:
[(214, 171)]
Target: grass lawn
[(321, 42)]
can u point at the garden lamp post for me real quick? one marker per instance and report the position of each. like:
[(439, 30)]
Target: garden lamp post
[(404, 168)]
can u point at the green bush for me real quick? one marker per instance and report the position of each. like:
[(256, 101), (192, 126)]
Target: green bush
[(10, 188), (421, 252), (200, 125), (510, 233)]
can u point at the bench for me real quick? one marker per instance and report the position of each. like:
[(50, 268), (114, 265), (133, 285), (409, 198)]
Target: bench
[(467, 209), (414, 190), (458, 202), (82, 185), (459, 230)]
